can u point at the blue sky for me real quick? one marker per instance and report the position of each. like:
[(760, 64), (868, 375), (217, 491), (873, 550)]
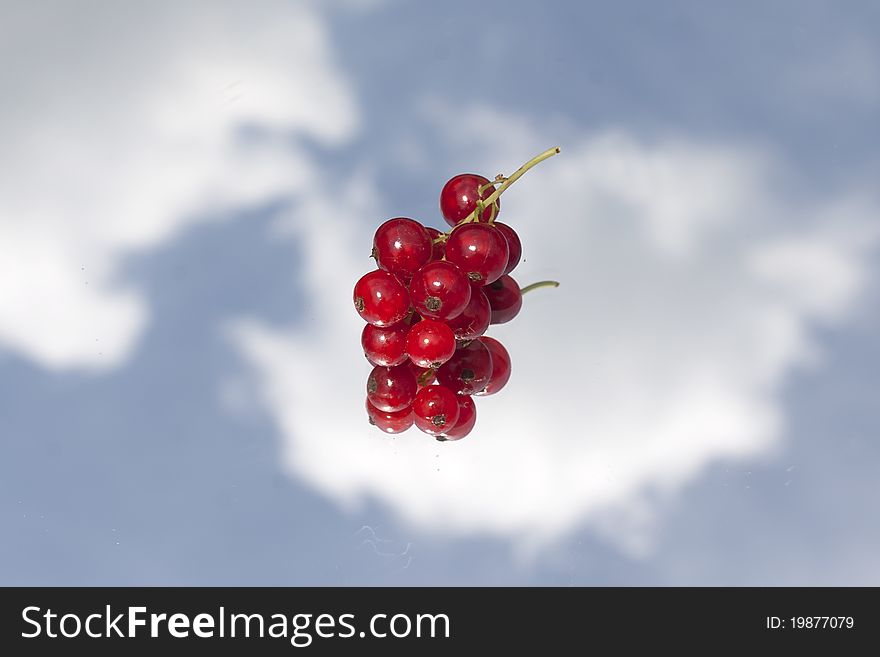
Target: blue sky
[(180, 378)]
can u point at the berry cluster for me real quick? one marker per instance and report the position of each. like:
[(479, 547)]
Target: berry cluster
[(429, 303)]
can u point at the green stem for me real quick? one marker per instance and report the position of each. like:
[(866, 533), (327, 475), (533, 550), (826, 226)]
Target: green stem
[(535, 286), (426, 376), (516, 175)]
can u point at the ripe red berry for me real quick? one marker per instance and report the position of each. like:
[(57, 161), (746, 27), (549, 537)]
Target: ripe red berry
[(430, 343), (500, 366), (401, 246), (380, 299), (468, 371), (514, 246), (396, 422), (504, 298), (459, 198), (467, 418), (435, 409), (439, 247), (439, 290), (386, 345), (391, 389), (473, 321), (480, 250)]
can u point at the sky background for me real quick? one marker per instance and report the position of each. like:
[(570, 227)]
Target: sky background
[(188, 193)]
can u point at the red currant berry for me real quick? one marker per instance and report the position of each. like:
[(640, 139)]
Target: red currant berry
[(474, 319), (480, 250), (459, 198), (430, 343), (440, 290), (500, 366), (467, 418), (504, 298), (514, 246), (401, 246), (439, 247), (385, 346), (435, 409), (468, 371), (391, 389), (380, 299), (396, 422)]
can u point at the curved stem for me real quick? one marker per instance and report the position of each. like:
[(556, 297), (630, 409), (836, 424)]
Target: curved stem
[(483, 188), (489, 200), (535, 286)]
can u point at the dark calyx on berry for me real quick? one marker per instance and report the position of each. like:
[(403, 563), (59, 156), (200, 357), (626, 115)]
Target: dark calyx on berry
[(480, 250), (435, 409), (468, 371), (440, 290)]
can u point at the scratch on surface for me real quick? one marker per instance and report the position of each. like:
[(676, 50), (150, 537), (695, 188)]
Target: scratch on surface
[(372, 539)]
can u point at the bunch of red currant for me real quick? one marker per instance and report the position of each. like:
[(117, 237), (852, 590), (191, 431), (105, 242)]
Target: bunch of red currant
[(429, 303)]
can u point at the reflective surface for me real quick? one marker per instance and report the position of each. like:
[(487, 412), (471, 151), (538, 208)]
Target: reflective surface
[(181, 383)]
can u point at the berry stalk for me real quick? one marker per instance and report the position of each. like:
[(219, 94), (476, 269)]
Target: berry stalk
[(535, 286), (516, 175)]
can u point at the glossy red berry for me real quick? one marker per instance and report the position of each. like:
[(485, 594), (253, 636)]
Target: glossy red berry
[(480, 250), (473, 321), (500, 366), (430, 343), (467, 418), (401, 246), (385, 345), (439, 290), (514, 246), (459, 198), (435, 409), (396, 422), (391, 389), (380, 299), (438, 247), (468, 371), (505, 299)]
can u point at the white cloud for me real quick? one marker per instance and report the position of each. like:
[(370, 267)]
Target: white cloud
[(691, 278), (120, 126)]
